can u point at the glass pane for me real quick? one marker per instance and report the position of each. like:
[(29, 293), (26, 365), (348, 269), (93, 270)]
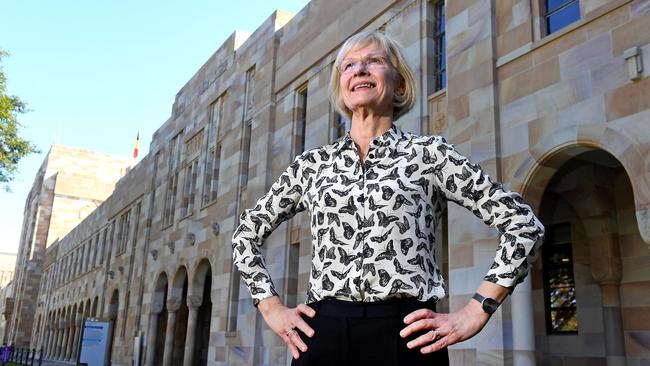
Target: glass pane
[(561, 256), (563, 18), (563, 297), (564, 320), (560, 277), (552, 5)]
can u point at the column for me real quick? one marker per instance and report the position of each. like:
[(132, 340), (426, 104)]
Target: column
[(71, 331), (154, 316), (55, 343), (613, 322), (193, 303), (64, 342), (172, 308), (523, 328), (77, 333)]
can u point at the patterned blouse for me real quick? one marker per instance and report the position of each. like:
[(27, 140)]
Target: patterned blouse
[(374, 225)]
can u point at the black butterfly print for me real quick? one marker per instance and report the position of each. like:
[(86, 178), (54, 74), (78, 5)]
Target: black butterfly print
[(345, 181), (371, 174), (384, 277), (412, 155), (295, 189), (451, 184), (320, 218), (333, 218), (334, 240), (387, 166), (382, 238), (405, 245), (504, 257), (261, 276), (424, 183), (470, 193), (393, 175), (321, 168), (519, 253), (401, 200), (418, 280), (342, 193), (396, 154), (327, 283), (466, 174), (348, 231), (256, 290), (350, 208), (399, 285), (417, 213), (427, 158), (372, 206), (346, 258), (443, 148), (328, 263), (403, 226), (456, 162), (322, 190), (285, 180), (403, 186), (257, 262), (385, 220), (368, 268), (488, 205), (410, 170), (387, 193), (531, 236), (242, 229), (348, 161), (388, 254), (324, 156), (367, 222), (399, 269), (372, 187), (419, 261), (341, 275), (245, 275), (269, 207), (367, 251), (368, 289), (361, 236), (345, 290), (320, 233), (277, 191), (329, 201)]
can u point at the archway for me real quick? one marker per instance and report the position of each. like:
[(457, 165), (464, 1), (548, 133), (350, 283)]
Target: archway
[(585, 282), (113, 310), (202, 284), (157, 322)]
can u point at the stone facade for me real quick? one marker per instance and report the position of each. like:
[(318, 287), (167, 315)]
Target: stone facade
[(69, 185), (559, 118)]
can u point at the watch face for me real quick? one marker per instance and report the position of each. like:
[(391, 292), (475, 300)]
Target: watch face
[(490, 305)]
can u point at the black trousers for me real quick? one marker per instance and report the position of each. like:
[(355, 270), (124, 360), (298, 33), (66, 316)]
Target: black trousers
[(364, 333)]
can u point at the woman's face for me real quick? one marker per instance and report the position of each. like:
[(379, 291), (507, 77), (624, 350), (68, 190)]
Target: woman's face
[(368, 80)]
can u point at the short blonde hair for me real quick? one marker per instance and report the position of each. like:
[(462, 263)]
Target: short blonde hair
[(402, 103)]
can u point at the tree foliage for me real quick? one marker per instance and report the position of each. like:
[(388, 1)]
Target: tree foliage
[(12, 146)]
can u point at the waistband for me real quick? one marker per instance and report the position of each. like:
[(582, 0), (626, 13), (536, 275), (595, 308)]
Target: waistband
[(377, 309)]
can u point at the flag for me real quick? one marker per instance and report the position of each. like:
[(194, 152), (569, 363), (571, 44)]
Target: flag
[(137, 145)]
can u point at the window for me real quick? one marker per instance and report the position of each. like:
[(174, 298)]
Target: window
[(559, 281), (172, 180), (189, 188), (439, 44), (341, 126), (300, 120), (248, 94), (213, 158), (559, 14), (123, 231)]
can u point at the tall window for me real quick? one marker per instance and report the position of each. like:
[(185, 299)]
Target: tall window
[(213, 158), (248, 124), (439, 50), (123, 231), (300, 120), (560, 13), (189, 187), (248, 93), (340, 126), (172, 180), (559, 281)]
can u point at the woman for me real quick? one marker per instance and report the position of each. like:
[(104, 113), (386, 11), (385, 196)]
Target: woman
[(375, 199)]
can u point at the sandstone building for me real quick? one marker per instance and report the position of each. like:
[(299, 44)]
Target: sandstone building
[(550, 97)]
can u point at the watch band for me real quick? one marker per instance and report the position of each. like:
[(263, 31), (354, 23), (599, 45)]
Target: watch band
[(488, 304)]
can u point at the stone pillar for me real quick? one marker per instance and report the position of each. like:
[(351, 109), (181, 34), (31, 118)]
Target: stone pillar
[(607, 270), (172, 308), (68, 350), (193, 303), (55, 344), (154, 317), (523, 327), (64, 342), (48, 342), (77, 334)]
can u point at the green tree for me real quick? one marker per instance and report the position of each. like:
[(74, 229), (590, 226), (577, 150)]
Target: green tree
[(12, 146)]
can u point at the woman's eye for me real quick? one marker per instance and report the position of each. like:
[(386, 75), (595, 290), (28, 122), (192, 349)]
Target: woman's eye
[(348, 65), (375, 61)]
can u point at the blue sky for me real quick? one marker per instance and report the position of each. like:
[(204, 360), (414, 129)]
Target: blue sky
[(94, 73)]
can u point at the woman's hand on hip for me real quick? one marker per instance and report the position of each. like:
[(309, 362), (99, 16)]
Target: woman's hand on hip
[(444, 329), (283, 321)]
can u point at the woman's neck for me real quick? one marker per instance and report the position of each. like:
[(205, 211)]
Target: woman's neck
[(365, 127)]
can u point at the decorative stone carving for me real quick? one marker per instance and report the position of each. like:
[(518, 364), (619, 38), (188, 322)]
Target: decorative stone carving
[(190, 239), (154, 254), (633, 63), (171, 246), (111, 274), (121, 269), (215, 228)]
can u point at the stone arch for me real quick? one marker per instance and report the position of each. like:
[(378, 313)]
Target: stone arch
[(177, 303), (113, 315), (157, 321), (200, 300), (533, 171), (591, 189)]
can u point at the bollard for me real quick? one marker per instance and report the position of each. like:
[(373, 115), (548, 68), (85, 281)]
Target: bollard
[(40, 357), (33, 356)]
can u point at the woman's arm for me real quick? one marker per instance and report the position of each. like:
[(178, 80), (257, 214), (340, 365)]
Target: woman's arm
[(520, 231)]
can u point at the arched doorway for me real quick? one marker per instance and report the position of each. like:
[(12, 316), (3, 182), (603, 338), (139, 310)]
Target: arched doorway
[(157, 322), (586, 282), (203, 284), (113, 310), (177, 313)]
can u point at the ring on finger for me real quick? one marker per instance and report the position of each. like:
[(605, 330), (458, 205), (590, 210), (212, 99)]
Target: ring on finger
[(289, 331), (436, 335)]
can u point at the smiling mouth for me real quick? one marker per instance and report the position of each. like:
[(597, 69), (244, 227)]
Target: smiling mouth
[(362, 86)]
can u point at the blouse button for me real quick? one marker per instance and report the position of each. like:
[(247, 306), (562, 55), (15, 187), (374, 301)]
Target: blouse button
[(371, 156)]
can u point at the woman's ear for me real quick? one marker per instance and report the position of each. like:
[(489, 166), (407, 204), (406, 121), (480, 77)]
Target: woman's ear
[(400, 85)]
